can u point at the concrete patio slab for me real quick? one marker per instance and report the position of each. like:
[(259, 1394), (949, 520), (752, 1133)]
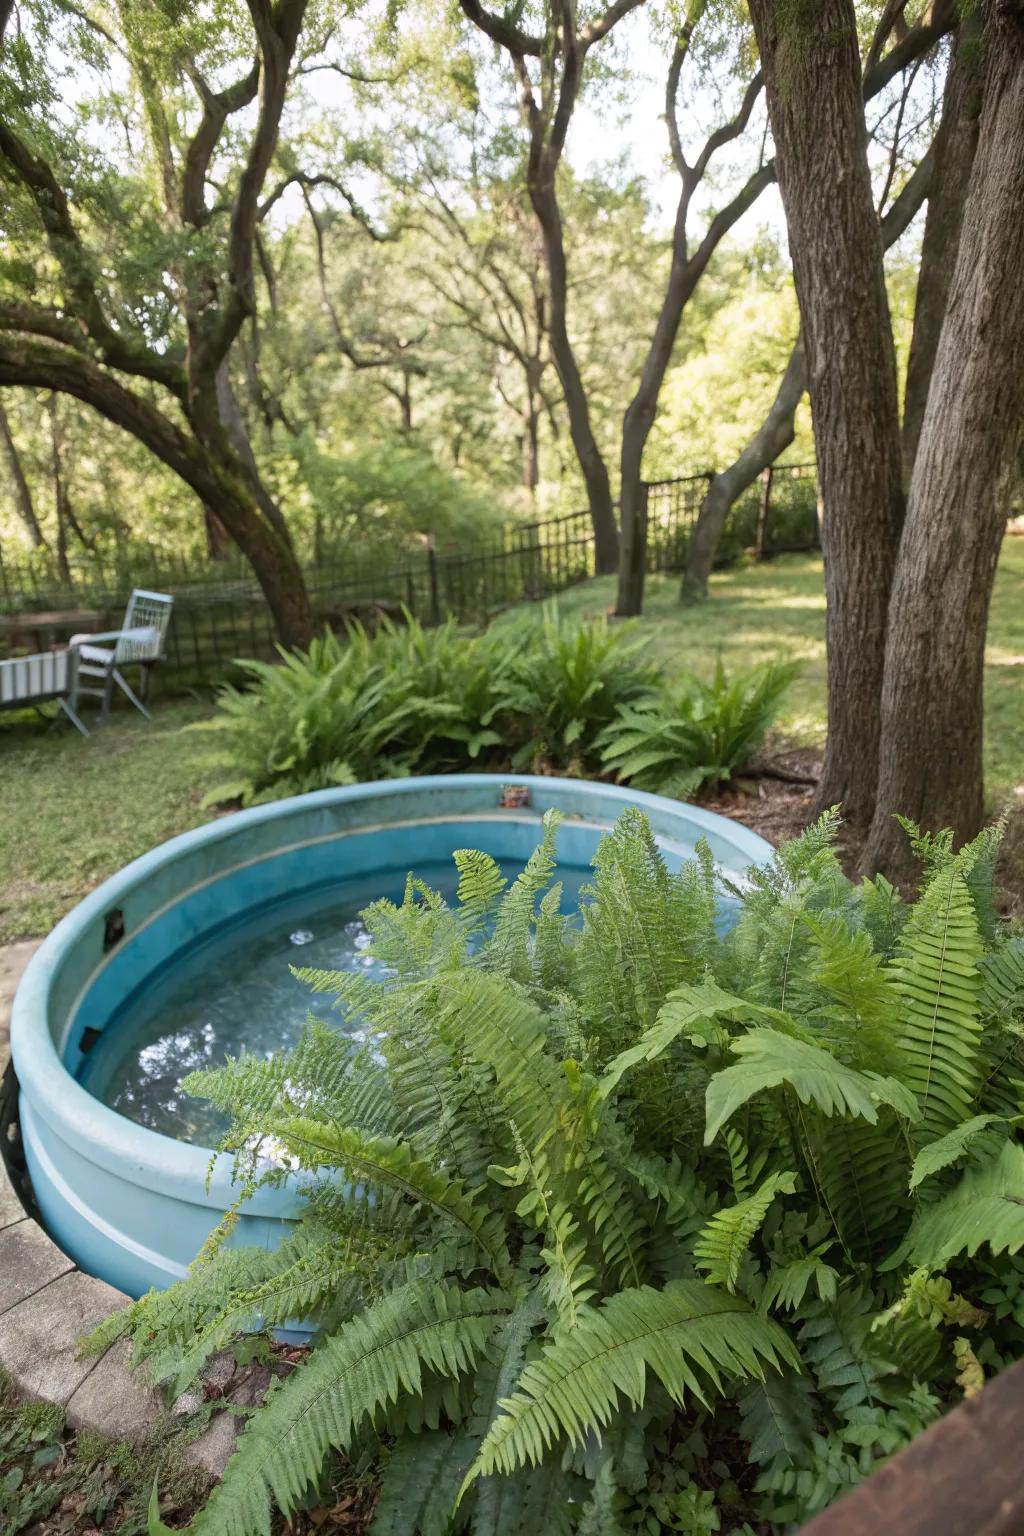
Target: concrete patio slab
[(39, 1337), (115, 1401), (29, 1261)]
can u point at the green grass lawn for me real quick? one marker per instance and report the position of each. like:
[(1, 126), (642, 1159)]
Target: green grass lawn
[(777, 611), (73, 811)]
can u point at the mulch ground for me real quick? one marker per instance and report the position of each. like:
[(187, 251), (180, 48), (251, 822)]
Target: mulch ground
[(774, 800)]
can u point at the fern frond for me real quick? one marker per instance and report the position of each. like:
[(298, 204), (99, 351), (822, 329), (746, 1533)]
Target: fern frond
[(508, 949), (744, 1169), (815, 1076), (687, 1335), (644, 931), (841, 1352), (950, 1148), (985, 1206), (860, 1174), (1002, 976), (378, 1355), (421, 1482), (777, 1420), (481, 882), (936, 974), (506, 1034), (689, 1011), (722, 1246), (567, 1278), (619, 1225), (788, 1284), (384, 1160)]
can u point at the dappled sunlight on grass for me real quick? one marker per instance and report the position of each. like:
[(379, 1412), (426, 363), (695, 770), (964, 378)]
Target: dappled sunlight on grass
[(777, 611), (73, 811)]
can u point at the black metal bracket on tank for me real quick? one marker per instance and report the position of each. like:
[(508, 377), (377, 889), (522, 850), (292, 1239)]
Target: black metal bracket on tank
[(11, 1149), (113, 929)]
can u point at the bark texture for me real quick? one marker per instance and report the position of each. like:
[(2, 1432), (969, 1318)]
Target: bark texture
[(969, 453), (955, 146), (594, 470), (811, 65)]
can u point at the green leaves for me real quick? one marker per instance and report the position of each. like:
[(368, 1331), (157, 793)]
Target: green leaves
[(950, 1148), (384, 1352), (771, 1059), (694, 731), (690, 1011), (688, 1335), (986, 1207), (936, 974), (474, 1137), (721, 1247)]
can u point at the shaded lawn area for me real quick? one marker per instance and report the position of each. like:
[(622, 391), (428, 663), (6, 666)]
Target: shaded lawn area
[(73, 811), (776, 611)]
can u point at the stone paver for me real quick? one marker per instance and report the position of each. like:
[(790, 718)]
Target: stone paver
[(47, 1305), (115, 1401), (28, 1262), (211, 1451), (39, 1337), (13, 960)]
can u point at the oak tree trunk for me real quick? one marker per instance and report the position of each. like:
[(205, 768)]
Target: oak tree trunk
[(233, 422), (213, 472), (968, 455), (60, 492), (955, 146), (811, 65), (588, 454)]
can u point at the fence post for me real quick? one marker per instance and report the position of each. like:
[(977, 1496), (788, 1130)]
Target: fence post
[(435, 602), (763, 510)]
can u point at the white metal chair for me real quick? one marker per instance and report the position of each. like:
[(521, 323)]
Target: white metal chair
[(28, 681), (139, 642)]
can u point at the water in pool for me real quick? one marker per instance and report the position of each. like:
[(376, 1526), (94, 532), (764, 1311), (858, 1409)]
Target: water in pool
[(244, 998), (234, 993)]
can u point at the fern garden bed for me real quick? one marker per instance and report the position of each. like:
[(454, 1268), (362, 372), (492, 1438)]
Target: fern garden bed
[(629, 1226)]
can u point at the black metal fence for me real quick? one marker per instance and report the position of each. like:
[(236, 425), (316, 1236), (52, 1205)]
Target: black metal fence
[(220, 613)]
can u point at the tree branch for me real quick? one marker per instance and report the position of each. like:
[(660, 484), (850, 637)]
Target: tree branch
[(602, 25), (218, 106), (119, 350), (502, 31), (277, 31)]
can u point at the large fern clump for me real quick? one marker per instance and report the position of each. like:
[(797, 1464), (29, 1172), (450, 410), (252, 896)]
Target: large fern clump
[(617, 1224), (406, 699), (691, 733)]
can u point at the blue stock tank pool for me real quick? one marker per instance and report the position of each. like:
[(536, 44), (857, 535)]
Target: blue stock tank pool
[(183, 958)]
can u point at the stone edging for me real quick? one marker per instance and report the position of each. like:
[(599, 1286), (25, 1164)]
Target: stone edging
[(46, 1305)]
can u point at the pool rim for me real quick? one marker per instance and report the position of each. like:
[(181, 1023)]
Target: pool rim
[(142, 1155)]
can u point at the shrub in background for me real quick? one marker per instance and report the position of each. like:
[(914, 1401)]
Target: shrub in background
[(315, 719), (559, 694), (629, 1227), (691, 733), (569, 678)]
